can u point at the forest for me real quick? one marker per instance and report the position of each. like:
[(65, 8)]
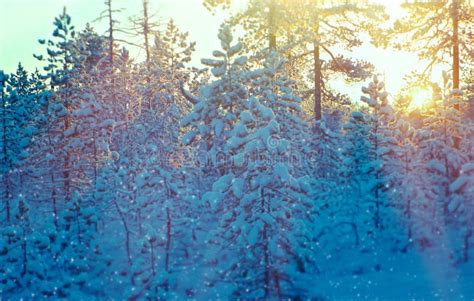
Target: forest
[(249, 176)]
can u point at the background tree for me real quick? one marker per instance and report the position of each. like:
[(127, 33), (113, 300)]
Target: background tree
[(297, 25), (437, 31)]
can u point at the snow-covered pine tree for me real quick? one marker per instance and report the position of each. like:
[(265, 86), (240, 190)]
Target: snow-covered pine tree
[(406, 193), (370, 169), (60, 61), (261, 246), (463, 208), (81, 268), (92, 119), (219, 103), (18, 107), (14, 254), (443, 149), (262, 243), (385, 166), (27, 259), (6, 160), (20, 80), (275, 89), (149, 194), (166, 212), (357, 178), (23, 105), (162, 105)]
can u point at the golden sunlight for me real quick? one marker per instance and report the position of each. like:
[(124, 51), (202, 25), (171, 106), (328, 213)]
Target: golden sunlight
[(420, 97)]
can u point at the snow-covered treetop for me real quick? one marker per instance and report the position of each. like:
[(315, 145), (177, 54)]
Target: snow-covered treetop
[(223, 60), (3, 78), (377, 97), (215, 111)]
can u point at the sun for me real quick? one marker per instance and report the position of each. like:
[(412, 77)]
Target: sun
[(420, 98)]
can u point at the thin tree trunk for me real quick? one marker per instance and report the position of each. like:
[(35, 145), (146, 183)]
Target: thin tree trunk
[(6, 179), (266, 261), (127, 232), (317, 82), (111, 33), (467, 236), (168, 239), (67, 158), (53, 199), (318, 78), (146, 30), (168, 245), (152, 255), (25, 257), (53, 181), (271, 26), (377, 175), (266, 257), (96, 160), (455, 16), (408, 200)]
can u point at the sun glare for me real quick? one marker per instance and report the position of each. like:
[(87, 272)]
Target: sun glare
[(420, 97)]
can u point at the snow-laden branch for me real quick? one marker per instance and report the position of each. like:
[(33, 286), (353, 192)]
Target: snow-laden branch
[(191, 98)]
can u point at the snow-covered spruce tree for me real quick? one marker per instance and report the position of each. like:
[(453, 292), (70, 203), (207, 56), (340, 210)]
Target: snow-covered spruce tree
[(262, 244), (219, 103)]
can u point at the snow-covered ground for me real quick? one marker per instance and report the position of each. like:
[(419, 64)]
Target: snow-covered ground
[(414, 275)]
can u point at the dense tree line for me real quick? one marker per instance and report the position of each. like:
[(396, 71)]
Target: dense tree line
[(158, 180)]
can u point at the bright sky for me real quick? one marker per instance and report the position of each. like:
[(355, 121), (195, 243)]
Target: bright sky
[(23, 22)]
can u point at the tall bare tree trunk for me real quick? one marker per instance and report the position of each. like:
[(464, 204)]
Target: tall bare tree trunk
[(455, 16), (67, 158), (317, 70), (317, 82), (111, 32), (271, 26), (146, 31)]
